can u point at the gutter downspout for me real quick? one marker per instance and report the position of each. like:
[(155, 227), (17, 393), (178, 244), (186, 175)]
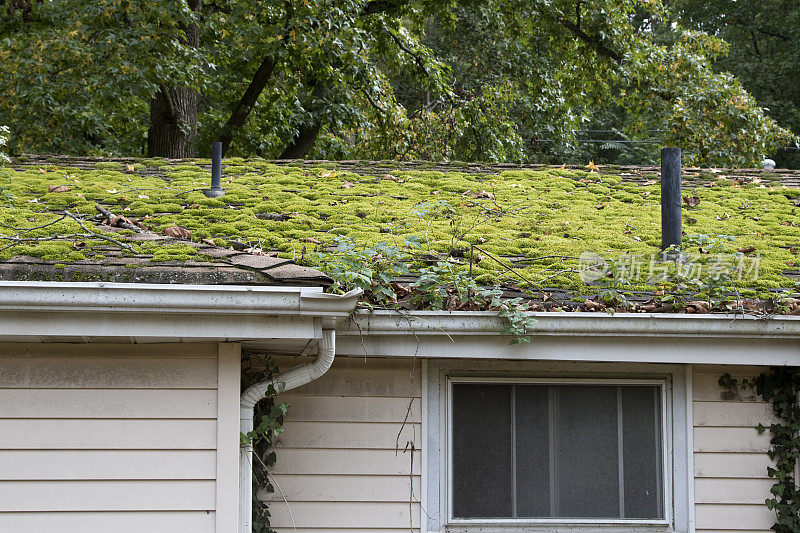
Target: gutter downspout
[(293, 378)]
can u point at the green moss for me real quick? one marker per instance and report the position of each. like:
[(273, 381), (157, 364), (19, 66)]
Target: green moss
[(533, 214), (108, 165)]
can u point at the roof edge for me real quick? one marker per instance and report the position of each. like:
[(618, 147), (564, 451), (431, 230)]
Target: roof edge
[(488, 323), (184, 299)]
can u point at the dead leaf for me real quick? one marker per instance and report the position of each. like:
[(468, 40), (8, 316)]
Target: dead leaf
[(593, 306), (348, 185), (144, 196), (178, 232), (77, 245), (58, 188), (592, 166), (389, 177), (311, 240), (483, 194), (747, 250), (208, 242), (691, 201), (129, 167), (696, 307)]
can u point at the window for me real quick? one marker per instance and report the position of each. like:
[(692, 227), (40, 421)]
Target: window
[(512, 446), (557, 450)]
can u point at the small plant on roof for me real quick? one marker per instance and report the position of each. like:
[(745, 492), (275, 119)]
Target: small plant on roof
[(372, 269)]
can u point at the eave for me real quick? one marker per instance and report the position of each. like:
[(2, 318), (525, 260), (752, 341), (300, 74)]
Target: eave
[(623, 337), (284, 317)]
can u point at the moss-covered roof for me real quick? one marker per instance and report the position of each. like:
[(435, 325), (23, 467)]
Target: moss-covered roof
[(520, 227)]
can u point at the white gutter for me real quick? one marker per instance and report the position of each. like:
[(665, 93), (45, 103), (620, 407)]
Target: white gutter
[(482, 323), (591, 337), (161, 298), (293, 378)]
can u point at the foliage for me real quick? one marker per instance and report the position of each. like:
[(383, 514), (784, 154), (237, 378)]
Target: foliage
[(372, 269), (378, 79), (269, 415), (763, 39), (780, 387)]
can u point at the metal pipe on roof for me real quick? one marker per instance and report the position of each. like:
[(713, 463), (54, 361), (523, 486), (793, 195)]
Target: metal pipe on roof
[(670, 197), (216, 172)]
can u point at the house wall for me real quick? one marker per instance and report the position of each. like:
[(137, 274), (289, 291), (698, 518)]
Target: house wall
[(730, 460), (341, 465), (117, 437), (338, 470)]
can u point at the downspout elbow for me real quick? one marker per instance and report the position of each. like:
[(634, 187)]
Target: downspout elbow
[(297, 376), (291, 379)]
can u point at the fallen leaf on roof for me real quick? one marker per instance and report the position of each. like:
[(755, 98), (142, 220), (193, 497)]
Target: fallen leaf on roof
[(208, 242), (312, 240), (348, 185), (592, 166), (328, 174), (112, 191), (747, 250), (77, 245), (58, 188), (178, 232), (697, 307), (129, 167), (483, 194), (691, 201), (389, 177), (144, 196)]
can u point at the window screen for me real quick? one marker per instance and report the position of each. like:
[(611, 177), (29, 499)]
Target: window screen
[(557, 451)]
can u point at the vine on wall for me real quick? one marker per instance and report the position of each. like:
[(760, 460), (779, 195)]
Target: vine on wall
[(269, 416), (780, 387)]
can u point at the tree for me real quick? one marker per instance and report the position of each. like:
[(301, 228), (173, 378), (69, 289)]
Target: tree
[(763, 42), (380, 78)]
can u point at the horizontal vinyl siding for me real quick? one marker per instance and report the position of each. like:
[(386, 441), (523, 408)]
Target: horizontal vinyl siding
[(337, 463), (108, 438), (730, 460)]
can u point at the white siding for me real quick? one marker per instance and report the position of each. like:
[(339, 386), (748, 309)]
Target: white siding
[(342, 462), (730, 460), (109, 437)]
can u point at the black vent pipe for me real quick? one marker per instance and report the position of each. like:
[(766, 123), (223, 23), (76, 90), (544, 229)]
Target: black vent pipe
[(216, 172), (670, 197)]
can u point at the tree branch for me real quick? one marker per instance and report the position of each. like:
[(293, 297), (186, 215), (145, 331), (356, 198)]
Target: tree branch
[(595, 43), (382, 6), (417, 58)]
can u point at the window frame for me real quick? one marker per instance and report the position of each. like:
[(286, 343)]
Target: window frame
[(677, 446), (666, 486)]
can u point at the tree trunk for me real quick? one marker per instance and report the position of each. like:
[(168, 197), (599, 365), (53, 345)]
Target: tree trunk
[(173, 124), (173, 112), (304, 141)]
